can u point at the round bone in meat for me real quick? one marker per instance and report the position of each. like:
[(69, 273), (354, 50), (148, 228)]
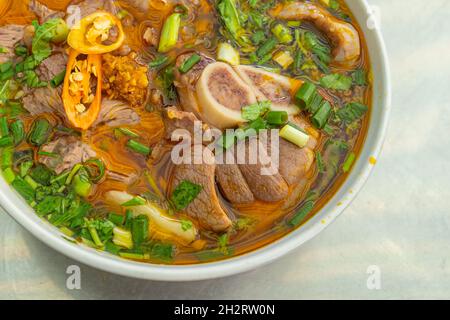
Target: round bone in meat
[(221, 94)]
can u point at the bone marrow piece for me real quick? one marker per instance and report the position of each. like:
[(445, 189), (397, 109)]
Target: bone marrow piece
[(222, 94), (269, 86)]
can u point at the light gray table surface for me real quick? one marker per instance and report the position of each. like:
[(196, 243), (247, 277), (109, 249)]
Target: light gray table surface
[(399, 223)]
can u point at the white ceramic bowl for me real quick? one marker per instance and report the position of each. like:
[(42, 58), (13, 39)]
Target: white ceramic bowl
[(24, 215)]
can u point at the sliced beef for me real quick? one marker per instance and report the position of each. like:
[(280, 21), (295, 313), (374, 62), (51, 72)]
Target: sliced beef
[(175, 119), (124, 178), (238, 181), (269, 188), (70, 150), (115, 113), (47, 99), (44, 100), (206, 208), (233, 184), (43, 12), (10, 36), (141, 6), (295, 162), (52, 66)]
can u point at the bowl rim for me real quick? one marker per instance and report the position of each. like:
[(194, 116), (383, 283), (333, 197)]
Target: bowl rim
[(42, 230)]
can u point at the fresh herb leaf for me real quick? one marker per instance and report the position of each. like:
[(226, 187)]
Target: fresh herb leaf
[(184, 194), (52, 30), (256, 110), (186, 225)]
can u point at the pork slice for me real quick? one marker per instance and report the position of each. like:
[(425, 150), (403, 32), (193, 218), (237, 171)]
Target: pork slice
[(43, 12), (52, 66), (115, 113), (71, 151), (206, 208), (186, 82), (10, 36)]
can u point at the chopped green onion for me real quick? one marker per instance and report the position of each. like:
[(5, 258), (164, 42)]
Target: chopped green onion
[(298, 60), (81, 184), (136, 201), (25, 168), (349, 162), (169, 33), (96, 169), (73, 172), (158, 61), (18, 131), (305, 94), (95, 237), (4, 129), (9, 175), (282, 33), (283, 58), (139, 147), (61, 178), (315, 103), (294, 23), (266, 48), (128, 218), (117, 219), (320, 118), (277, 117), (7, 157), (302, 213), (33, 184), (294, 135), (40, 132), (6, 141), (227, 53), (134, 256), (360, 77), (112, 248), (189, 63), (139, 229), (122, 238), (58, 79)]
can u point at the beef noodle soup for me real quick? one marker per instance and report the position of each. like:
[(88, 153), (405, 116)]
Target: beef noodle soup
[(175, 131)]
